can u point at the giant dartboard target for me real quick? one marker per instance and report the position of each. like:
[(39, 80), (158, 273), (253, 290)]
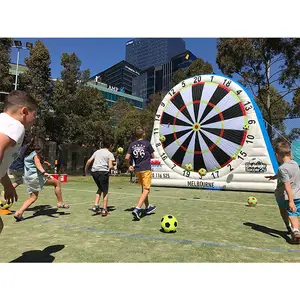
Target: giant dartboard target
[(207, 121)]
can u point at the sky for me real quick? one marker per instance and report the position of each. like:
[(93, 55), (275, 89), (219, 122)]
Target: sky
[(98, 54)]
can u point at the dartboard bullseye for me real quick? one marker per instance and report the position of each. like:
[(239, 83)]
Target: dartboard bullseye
[(206, 121)]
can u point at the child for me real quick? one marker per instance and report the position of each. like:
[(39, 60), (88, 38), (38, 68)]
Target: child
[(19, 112), (287, 192), (103, 162), (17, 167), (141, 153), (36, 178)]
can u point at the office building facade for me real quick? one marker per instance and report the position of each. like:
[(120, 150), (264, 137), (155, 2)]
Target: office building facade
[(112, 95), (151, 52), (158, 79), (118, 76)]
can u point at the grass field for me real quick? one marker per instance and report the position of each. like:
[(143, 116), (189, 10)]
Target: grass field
[(213, 227)]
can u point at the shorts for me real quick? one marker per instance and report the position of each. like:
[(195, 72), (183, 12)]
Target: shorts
[(144, 178), (101, 178), (285, 204), (18, 176), (35, 183)]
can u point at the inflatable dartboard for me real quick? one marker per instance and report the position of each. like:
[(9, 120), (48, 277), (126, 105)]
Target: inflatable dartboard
[(206, 122)]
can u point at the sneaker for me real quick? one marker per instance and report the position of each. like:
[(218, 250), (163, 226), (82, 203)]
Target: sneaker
[(296, 234), (105, 213), (150, 209), (95, 208), (137, 213)]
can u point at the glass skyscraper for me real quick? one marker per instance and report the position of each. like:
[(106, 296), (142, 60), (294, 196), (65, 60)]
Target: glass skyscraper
[(151, 52)]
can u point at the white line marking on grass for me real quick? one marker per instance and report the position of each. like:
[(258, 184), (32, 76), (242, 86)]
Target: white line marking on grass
[(173, 198), (181, 241)]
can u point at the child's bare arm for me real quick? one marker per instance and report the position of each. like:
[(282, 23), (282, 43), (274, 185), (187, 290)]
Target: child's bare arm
[(5, 143), (288, 190), (39, 166), (89, 161), (127, 162), (271, 177)]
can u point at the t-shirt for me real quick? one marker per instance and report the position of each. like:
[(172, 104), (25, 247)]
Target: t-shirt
[(288, 172), (18, 164), (29, 165), (15, 130), (140, 151), (101, 158)]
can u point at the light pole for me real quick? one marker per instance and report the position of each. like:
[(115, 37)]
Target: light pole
[(18, 45)]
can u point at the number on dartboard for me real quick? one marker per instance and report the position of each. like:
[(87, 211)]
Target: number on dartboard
[(162, 104), (230, 167), (183, 84), (238, 92), (211, 78), (164, 156), (250, 139), (251, 122), (243, 154), (157, 117), (172, 92), (215, 174), (173, 166), (197, 79), (248, 105), (157, 145), (186, 173), (227, 82)]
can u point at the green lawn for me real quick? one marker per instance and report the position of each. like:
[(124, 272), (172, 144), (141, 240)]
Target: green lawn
[(214, 226)]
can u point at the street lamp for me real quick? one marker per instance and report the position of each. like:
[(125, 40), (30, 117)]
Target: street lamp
[(18, 45)]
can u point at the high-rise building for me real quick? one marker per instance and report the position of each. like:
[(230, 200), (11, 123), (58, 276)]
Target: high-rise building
[(157, 79), (119, 76), (148, 52)]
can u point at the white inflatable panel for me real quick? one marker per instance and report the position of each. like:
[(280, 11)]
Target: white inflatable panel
[(211, 122)]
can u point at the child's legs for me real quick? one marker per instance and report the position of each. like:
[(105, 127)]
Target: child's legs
[(143, 197), (27, 203), (284, 215), (96, 177), (144, 178), (105, 200), (293, 216), (97, 197), (57, 188), (283, 209), (295, 222), (1, 225), (104, 182)]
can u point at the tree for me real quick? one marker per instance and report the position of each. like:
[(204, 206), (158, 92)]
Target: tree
[(5, 78), (279, 108), (36, 80), (260, 63), (71, 74), (197, 67)]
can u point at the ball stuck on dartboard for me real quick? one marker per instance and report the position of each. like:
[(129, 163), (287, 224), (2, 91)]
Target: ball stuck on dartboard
[(189, 167), (202, 172), (162, 138)]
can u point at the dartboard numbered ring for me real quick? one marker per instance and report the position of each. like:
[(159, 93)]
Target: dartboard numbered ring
[(207, 121)]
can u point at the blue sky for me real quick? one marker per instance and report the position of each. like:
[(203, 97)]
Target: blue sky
[(97, 54)]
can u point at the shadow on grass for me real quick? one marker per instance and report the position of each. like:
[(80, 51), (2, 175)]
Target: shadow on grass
[(38, 256), (45, 210), (270, 231)]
